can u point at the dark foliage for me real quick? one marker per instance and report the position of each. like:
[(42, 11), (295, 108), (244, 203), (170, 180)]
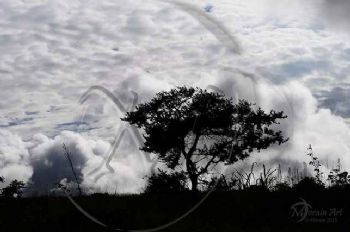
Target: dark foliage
[(14, 189), (282, 187), (344, 188), (201, 129), (222, 211), (337, 177), (257, 189), (221, 184), (164, 182), (309, 185), (340, 178)]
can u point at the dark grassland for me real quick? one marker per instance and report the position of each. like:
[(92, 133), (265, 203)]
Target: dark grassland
[(246, 210)]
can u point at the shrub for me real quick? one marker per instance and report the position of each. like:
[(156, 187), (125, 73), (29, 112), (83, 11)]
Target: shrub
[(338, 177), (221, 184), (309, 185), (14, 189), (282, 187), (166, 182), (256, 189)]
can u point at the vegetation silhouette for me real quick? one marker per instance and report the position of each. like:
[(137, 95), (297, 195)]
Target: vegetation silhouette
[(196, 130), (164, 182), (256, 205), (309, 186), (14, 189), (337, 177)]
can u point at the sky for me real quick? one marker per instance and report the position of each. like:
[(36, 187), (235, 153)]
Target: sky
[(283, 55)]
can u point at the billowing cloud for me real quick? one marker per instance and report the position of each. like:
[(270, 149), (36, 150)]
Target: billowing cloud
[(14, 157), (307, 122), (42, 163)]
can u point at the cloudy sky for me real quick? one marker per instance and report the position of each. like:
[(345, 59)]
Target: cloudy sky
[(283, 55)]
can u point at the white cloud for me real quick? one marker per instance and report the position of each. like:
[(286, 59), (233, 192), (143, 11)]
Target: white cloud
[(306, 124), (43, 163), (14, 157)]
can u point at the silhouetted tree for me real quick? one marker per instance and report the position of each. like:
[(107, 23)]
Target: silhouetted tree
[(14, 189), (201, 129)]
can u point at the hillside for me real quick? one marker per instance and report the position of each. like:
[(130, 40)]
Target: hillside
[(249, 210)]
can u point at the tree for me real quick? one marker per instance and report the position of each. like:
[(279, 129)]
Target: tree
[(200, 129), (14, 189)]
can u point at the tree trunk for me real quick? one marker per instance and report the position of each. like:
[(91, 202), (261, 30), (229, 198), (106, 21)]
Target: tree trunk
[(194, 181), (191, 167), (191, 170)]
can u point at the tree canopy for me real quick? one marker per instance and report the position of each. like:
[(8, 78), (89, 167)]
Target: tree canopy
[(14, 189), (195, 129)]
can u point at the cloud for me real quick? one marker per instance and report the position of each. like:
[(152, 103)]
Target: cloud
[(306, 124), (42, 163), (14, 157), (50, 163), (215, 27), (320, 14), (336, 99), (69, 46), (336, 13)]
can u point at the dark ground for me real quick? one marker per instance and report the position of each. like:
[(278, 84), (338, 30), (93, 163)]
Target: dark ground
[(222, 211)]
